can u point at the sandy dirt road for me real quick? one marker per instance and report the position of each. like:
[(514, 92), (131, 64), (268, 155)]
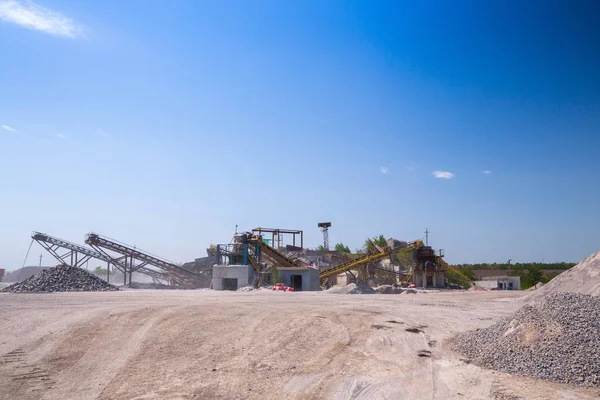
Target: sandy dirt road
[(252, 345)]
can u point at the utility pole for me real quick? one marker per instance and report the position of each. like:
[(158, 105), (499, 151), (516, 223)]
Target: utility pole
[(426, 237), (40, 260), (509, 271)]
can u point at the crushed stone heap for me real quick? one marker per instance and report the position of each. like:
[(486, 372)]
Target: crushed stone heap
[(62, 278), (389, 289), (556, 339), (351, 288), (583, 278)]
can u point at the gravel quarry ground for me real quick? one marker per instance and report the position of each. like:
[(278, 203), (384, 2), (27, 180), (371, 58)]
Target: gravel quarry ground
[(144, 344)]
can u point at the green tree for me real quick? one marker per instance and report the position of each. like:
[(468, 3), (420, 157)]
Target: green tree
[(530, 277), (275, 276), (102, 271), (550, 276), (453, 275), (371, 242), (468, 272), (340, 248), (403, 258)]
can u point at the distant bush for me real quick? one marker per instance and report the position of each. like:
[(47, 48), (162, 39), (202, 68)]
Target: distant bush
[(516, 266), (102, 271), (275, 276), (458, 278)]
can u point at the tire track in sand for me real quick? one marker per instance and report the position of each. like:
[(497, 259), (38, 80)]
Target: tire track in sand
[(88, 378)]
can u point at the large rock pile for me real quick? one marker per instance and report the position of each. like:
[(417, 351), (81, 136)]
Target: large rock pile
[(556, 339), (23, 273), (583, 278), (62, 278), (352, 288), (389, 289)]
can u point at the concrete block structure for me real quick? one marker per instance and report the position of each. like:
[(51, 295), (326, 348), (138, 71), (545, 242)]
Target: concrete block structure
[(301, 279), (232, 277), (503, 282), (430, 279), (427, 273)]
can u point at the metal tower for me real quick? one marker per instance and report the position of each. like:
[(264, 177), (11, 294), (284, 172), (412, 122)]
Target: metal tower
[(325, 229)]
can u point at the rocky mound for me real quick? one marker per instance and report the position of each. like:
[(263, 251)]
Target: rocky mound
[(62, 278), (583, 278), (23, 273), (537, 286), (389, 289), (556, 339), (351, 288)]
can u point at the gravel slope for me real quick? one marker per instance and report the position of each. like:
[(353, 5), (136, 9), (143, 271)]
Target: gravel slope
[(62, 278), (583, 278), (556, 339)]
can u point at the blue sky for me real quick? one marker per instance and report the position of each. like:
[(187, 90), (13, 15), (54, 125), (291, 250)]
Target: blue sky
[(165, 124)]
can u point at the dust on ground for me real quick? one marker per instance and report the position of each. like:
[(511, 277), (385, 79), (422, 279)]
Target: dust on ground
[(252, 345)]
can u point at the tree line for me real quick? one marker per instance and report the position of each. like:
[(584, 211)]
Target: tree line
[(516, 266)]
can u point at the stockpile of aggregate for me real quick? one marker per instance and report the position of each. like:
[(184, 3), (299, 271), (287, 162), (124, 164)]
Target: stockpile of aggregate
[(352, 288), (389, 289), (583, 278), (62, 278), (22, 273), (556, 339)]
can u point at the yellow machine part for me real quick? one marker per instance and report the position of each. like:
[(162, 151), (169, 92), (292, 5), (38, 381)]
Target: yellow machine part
[(273, 255), (368, 258)]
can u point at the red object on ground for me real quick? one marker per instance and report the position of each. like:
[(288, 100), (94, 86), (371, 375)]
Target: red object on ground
[(412, 285), (282, 287)]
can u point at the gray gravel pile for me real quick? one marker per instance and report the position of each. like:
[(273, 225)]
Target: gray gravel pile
[(352, 288), (556, 339), (62, 278), (389, 289), (22, 273)]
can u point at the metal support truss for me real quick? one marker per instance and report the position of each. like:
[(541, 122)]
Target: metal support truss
[(77, 255), (177, 273)]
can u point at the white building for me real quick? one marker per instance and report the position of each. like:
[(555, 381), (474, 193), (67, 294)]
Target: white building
[(503, 282), (231, 277)]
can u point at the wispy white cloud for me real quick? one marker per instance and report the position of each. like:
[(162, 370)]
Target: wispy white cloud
[(384, 170), (8, 128), (486, 171), (443, 174), (60, 136), (101, 132), (30, 15)]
